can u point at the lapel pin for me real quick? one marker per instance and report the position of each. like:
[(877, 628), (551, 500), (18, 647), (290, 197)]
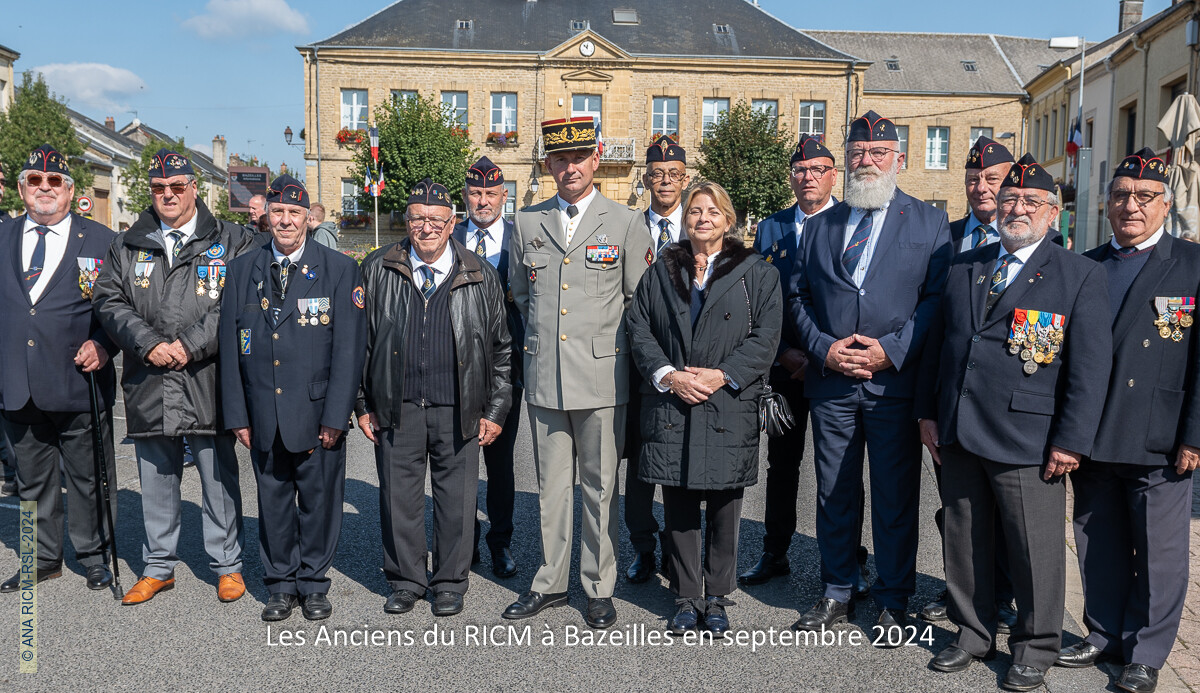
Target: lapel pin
[(980, 280), (1031, 280)]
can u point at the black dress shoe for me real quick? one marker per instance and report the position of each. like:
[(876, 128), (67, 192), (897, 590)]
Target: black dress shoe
[(1081, 654), (279, 606), (1006, 617), (98, 577), (446, 604), (600, 613), (862, 589), (715, 618), (9, 488), (685, 617), (401, 602), (503, 565), (641, 569), (531, 603), (935, 611), (888, 631), (769, 566), (316, 607), (14, 583), (954, 658), (1138, 678), (1022, 678), (827, 612)]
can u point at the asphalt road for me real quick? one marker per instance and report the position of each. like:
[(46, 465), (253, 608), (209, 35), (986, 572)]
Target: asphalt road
[(185, 639)]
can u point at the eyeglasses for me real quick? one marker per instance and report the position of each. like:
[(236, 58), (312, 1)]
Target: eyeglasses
[(817, 171), (659, 175), (1031, 203), (877, 154), (160, 188), (1120, 198), (34, 180), (422, 222)]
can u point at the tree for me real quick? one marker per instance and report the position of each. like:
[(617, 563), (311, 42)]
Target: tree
[(36, 117), (745, 153), (417, 139)]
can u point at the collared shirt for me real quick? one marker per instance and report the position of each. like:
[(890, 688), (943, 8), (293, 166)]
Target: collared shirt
[(292, 257), (801, 217), (674, 224), (188, 230), (968, 239), (495, 239), (441, 267), (1015, 266), (1151, 241), (568, 224), (56, 247), (864, 261), (701, 283)]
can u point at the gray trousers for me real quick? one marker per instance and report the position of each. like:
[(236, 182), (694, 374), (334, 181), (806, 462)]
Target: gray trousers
[(1031, 512), (39, 439), (589, 440), (427, 438), (160, 467)]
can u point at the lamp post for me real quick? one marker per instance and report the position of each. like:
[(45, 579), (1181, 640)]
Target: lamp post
[(640, 189), (533, 184), (287, 138)]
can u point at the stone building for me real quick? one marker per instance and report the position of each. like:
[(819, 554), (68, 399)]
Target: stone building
[(7, 57)]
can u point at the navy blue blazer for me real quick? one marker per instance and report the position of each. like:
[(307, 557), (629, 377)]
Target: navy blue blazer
[(516, 324), (1153, 401), (895, 305), (291, 378), (39, 341), (979, 392), (777, 242)]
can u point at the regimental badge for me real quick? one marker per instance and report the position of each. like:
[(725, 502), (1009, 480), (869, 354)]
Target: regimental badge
[(649, 256), (244, 340), (144, 256), (358, 297), (1174, 314), (602, 238), (265, 303), (537, 243), (770, 259), (532, 276), (216, 251), (89, 270)]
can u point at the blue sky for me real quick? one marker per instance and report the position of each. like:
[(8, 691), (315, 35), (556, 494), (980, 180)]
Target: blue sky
[(230, 66)]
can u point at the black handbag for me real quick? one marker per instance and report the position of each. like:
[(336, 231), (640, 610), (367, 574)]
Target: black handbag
[(774, 415)]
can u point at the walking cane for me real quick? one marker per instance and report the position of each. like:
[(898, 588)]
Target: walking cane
[(103, 495)]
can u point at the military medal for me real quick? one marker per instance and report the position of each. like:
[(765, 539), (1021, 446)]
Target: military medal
[(1177, 335), (216, 277), (1164, 332), (202, 273), (302, 308), (265, 303), (142, 272), (1030, 367), (323, 306), (312, 311), (1016, 332), (89, 269)]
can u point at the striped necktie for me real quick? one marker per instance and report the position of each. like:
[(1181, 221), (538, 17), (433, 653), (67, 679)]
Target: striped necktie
[(481, 244), (999, 280), (981, 236), (664, 236), (427, 284), (176, 237), (858, 243), (36, 261)]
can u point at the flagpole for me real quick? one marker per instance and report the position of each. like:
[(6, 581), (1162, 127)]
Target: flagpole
[(373, 133), (377, 210)]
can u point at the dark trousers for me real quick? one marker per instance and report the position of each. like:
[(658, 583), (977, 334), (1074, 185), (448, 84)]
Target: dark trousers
[(1002, 581), (1031, 510), (843, 429), (639, 495), (39, 439), (300, 514), (692, 578), (501, 482), (1131, 529), (784, 455), (428, 438)]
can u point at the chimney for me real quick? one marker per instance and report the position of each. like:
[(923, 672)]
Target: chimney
[(110, 124), (1131, 13), (218, 150), (283, 168)]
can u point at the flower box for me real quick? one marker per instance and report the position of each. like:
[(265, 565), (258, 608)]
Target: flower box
[(346, 136), (502, 139)]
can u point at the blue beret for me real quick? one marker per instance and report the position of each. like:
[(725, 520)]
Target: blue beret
[(1028, 173), (484, 174), (1144, 165), (986, 153), (47, 160), (665, 149), (810, 148), (872, 127), (167, 164), (287, 190), (429, 193)]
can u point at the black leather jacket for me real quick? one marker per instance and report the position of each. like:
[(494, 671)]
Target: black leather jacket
[(481, 341)]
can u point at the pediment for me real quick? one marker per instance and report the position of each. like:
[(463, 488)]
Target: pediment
[(587, 76), (603, 49)]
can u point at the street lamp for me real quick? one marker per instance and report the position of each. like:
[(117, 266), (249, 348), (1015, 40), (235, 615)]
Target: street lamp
[(640, 189), (533, 184), (287, 137)]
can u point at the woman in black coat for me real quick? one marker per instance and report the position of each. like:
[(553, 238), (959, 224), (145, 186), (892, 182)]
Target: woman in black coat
[(704, 326)]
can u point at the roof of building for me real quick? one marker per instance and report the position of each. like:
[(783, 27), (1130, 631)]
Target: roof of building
[(9, 51), (722, 28), (944, 63), (109, 139)]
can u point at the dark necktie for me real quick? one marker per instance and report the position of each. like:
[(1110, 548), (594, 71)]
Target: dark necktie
[(176, 237), (37, 261), (572, 211), (427, 285), (981, 236), (664, 236), (481, 246), (279, 278), (858, 243), (999, 280), (1124, 253)]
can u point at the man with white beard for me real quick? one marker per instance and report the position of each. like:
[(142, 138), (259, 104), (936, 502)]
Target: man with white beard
[(869, 281)]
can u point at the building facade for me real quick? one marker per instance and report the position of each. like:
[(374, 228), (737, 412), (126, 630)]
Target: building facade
[(7, 57)]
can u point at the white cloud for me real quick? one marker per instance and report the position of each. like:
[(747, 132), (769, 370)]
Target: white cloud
[(228, 19), (103, 87)]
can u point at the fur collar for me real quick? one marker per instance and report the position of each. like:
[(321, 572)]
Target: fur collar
[(677, 259)]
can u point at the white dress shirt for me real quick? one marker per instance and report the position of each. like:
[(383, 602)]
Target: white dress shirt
[(441, 267), (188, 230), (495, 239), (568, 224), (674, 225), (1015, 266), (56, 247), (968, 238), (292, 258), (864, 260), (1151, 241)]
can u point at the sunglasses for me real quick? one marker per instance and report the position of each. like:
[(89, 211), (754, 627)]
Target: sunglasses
[(160, 188), (34, 180)]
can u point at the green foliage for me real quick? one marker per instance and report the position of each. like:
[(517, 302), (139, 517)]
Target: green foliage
[(416, 140), (747, 155), (137, 182), (37, 117), (220, 209)]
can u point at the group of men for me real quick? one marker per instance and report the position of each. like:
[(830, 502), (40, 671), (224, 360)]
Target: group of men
[(984, 340)]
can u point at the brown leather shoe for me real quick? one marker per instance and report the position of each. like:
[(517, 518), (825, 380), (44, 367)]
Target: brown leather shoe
[(230, 587), (146, 588)]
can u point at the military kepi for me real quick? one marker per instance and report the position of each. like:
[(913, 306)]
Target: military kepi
[(566, 134), (167, 163), (986, 153), (872, 127), (429, 193), (47, 160), (810, 148), (1144, 165), (484, 174), (287, 190), (665, 149), (1028, 173)]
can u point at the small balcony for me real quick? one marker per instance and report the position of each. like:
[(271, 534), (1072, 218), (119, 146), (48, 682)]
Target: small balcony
[(617, 150)]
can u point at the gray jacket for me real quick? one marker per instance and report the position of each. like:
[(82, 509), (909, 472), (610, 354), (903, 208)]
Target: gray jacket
[(326, 234)]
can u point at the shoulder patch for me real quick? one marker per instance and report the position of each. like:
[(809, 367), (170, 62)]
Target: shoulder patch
[(359, 297), (649, 256)]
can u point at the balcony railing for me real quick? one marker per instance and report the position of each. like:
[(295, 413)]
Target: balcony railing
[(617, 150)]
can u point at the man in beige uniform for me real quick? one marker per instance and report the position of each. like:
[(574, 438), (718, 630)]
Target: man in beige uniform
[(575, 261)]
